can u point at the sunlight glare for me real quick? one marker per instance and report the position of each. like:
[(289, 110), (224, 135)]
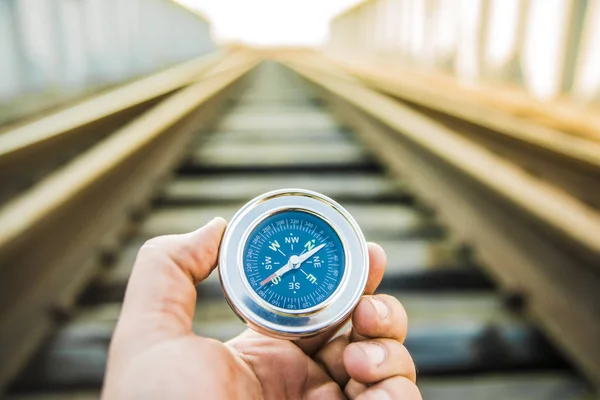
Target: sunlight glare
[(270, 22)]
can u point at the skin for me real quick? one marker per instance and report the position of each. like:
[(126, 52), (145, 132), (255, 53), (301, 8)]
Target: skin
[(155, 354)]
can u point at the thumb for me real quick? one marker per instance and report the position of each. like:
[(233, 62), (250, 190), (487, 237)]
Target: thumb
[(161, 295)]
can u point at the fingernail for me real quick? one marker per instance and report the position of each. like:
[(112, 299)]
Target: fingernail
[(380, 307), (375, 352), (378, 394)]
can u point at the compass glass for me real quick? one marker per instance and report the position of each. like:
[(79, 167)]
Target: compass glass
[(294, 260)]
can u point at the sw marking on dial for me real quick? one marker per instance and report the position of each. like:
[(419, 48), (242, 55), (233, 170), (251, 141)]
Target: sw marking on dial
[(294, 260)]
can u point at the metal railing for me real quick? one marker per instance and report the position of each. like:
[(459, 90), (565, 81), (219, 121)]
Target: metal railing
[(548, 48), (52, 50)]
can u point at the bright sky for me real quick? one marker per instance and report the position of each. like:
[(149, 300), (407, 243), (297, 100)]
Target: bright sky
[(270, 22)]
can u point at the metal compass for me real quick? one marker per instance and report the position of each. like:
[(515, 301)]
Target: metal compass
[(293, 263)]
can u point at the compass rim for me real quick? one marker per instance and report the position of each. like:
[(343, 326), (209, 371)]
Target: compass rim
[(242, 298)]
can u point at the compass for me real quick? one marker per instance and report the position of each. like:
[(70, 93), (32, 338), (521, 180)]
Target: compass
[(293, 263)]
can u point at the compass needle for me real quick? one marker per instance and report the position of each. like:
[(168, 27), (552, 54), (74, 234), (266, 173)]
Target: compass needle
[(311, 253)]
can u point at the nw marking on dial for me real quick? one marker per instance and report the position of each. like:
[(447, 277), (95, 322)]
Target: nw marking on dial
[(294, 260)]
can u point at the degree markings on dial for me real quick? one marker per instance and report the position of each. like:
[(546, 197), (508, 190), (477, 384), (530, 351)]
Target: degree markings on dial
[(291, 298)]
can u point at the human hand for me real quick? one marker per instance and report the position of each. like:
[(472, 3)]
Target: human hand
[(155, 354)]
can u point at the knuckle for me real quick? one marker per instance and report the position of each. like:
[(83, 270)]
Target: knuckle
[(202, 256), (402, 388), (208, 251), (164, 244), (157, 242), (152, 248), (354, 388), (328, 390)]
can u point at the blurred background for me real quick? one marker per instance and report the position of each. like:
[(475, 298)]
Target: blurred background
[(53, 48), (462, 134)]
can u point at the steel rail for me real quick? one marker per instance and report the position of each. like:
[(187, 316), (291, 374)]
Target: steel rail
[(48, 233), (565, 170), (436, 90), (534, 239), (582, 153), (30, 150)]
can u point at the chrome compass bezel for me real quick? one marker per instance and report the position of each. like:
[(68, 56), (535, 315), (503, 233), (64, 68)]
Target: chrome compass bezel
[(282, 323)]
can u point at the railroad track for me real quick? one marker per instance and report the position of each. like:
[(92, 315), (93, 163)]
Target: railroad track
[(468, 337)]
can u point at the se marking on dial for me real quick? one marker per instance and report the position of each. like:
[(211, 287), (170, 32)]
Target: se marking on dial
[(294, 260)]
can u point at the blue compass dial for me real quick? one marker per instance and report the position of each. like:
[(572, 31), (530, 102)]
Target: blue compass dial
[(294, 260)]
